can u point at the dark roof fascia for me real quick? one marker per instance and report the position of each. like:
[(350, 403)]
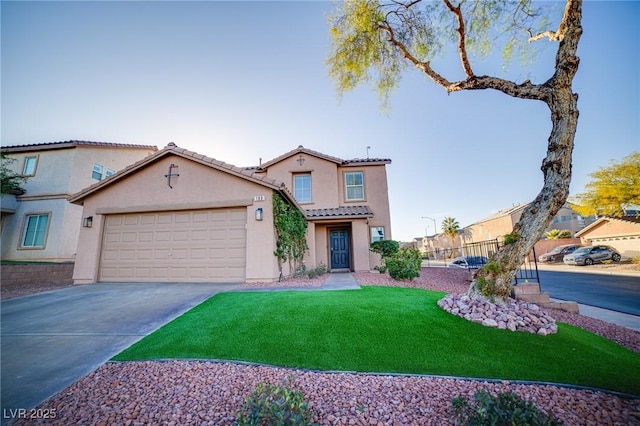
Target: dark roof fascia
[(72, 144), (366, 162)]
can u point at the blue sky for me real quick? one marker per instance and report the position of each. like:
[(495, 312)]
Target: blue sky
[(240, 81)]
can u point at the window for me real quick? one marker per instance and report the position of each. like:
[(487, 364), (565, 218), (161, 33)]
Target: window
[(29, 168), (110, 172), (354, 185), (97, 171), (302, 188), (377, 233), (35, 230)]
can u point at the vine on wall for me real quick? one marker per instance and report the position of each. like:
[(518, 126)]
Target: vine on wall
[(291, 229)]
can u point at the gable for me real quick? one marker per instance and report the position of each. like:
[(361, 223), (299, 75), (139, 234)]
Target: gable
[(610, 227), (200, 177)]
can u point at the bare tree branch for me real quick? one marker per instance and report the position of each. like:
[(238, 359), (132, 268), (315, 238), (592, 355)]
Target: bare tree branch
[(562, 28), (462, 49)]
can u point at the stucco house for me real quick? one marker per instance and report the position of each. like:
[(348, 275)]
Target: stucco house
[(39, 224), (179, 216), (621, 233), (501, 223)]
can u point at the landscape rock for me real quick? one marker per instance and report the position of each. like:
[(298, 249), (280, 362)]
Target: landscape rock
[(514, 315)]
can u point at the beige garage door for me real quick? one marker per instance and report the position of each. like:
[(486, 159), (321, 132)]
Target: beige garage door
[(176, 246)]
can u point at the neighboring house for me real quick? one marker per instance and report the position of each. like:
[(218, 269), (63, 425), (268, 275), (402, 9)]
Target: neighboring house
[(623, 234), (568, 220), (494, 226), (40, 225), (179, 216), (498, 225)]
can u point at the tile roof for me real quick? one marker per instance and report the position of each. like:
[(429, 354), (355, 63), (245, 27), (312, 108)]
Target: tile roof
[(302, 150), (343, 211), (605, 219), (172, 149), (73, 144)]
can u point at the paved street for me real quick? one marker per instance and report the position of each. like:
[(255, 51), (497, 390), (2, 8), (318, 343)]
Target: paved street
[(619, 293)]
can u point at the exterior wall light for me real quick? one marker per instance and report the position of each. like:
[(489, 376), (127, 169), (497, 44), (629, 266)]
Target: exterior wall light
[(259, 213), (87, 222)]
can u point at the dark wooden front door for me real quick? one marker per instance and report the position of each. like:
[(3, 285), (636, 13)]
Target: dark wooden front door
[(340, 249)]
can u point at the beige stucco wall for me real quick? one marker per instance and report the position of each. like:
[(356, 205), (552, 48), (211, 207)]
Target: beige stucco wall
[(324, 179), (328, 191), (198, 186), (493, 229), (59, 173)]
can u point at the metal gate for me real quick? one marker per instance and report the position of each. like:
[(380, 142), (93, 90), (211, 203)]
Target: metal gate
[(528, 271)]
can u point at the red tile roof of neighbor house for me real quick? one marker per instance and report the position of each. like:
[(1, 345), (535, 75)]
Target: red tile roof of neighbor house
[(73, 144), (343, 211)]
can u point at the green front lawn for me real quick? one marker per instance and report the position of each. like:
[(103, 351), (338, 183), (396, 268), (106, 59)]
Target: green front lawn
[(383, 329)]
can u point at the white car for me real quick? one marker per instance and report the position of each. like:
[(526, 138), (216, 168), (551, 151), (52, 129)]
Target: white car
[(468, 262)]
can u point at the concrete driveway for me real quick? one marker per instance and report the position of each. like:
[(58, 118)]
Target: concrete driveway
[(50, 340)]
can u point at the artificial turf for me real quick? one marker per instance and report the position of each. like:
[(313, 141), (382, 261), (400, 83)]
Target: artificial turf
[(387, 330)]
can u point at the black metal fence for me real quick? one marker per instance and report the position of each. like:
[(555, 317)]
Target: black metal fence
[(528, 271)]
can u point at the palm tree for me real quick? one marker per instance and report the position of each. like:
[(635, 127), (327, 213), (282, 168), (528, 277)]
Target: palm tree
[(556, 234), (450, 228)]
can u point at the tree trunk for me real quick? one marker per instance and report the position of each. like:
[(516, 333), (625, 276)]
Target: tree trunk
[(494, 281)]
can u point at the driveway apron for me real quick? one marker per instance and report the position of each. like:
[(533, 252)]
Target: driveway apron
[(51, 340)]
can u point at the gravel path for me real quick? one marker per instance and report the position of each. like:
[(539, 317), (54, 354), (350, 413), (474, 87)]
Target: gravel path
[(210, 393)]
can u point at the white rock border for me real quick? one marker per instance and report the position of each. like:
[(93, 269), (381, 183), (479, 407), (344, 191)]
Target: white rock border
[(514, 316)]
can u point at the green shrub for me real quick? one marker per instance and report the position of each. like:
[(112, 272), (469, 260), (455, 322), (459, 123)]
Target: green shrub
[(275, 405), (319, 270), (504, 409), (405, 264), (385, 248)]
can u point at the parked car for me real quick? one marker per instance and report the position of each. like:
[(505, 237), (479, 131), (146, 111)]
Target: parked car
[(558, 253), (591, 254), (468, 262)]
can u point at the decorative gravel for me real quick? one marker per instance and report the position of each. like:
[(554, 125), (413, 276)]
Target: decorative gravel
[(210, 393)]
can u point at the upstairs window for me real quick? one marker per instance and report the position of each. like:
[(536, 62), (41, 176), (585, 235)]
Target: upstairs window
[(97, 171), (354, 183), (35, 230), (29, 167), (302, 188)]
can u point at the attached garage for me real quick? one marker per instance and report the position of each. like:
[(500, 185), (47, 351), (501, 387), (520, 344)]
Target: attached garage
[(175, 246), (175, 217)]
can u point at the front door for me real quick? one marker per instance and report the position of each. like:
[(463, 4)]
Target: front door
[(340, 249)]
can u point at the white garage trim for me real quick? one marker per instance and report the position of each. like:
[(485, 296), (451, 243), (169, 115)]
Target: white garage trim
[(207, 245)]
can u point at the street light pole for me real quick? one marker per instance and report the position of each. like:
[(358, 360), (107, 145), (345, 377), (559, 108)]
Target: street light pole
[(435, 231)]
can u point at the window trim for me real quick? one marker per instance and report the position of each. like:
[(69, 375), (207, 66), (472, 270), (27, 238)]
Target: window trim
[(23, 234), (373, 229), (295, 175), (36, 159), (94, 170), (346, 187)]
